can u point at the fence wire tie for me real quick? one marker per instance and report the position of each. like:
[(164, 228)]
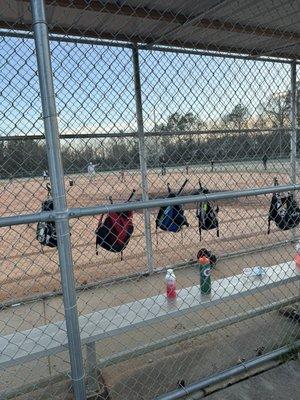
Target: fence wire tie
[(74, 306), (76, 379), (64, 235)]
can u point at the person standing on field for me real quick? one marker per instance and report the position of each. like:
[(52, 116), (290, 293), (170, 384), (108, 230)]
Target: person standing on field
[(91, 169), (265, 160), (45, 174), (163, 166), (122, 175)]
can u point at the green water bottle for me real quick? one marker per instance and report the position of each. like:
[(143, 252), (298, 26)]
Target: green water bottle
[(204, 269)]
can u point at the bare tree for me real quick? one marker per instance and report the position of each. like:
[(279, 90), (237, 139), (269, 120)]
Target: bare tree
[(277, 109), (238, 116)]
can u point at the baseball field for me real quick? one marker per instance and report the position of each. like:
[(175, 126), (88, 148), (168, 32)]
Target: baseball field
[(27, 268)]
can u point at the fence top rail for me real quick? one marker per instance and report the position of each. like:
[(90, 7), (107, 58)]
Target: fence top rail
[(141, 205), (22, 34), (149, 134)]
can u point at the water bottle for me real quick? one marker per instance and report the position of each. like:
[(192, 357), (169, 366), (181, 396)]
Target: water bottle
[(170, 284), (297, 259), (204, 269)]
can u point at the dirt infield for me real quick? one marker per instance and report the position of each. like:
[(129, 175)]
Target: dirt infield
[(25, 269)]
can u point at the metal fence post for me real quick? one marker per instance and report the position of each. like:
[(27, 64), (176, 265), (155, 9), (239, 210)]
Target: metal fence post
[(293, 118), (59, 196), (92, 373), (293, 121), (142, 154)]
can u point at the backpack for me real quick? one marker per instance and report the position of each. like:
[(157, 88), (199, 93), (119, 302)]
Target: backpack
[(172, 218), (46, 231), (284, 211), (207, 214), (114, 233), (212, 258)]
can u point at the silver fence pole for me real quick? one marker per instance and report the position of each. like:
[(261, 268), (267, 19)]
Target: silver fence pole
[(294, 125), (293, 118), (141, 205), (142, 155), (293, 121), (237, 370), (59, 196)]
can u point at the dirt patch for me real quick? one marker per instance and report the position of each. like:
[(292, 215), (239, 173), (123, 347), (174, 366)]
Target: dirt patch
[(26, 269)]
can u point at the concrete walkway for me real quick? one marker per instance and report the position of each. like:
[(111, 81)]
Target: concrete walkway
[(280, 383), (157, 373)]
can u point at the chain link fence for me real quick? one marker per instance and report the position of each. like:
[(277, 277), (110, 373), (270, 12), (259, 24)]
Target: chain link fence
[(157, 130)]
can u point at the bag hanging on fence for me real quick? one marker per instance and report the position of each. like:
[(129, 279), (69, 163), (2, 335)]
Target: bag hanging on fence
[(46, 231), (206, 253), (172, 218), (207, 214), (284, 211), (114, 233)]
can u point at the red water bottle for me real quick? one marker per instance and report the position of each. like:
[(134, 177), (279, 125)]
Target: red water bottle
[(170, 284), (297, 259)]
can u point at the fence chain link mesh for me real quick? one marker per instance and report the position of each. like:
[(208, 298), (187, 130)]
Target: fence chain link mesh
[(154, 100)]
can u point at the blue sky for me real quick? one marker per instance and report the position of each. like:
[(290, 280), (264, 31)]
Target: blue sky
[(95, 89)]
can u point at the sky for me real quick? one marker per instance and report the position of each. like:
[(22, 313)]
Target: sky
[(95, 89)]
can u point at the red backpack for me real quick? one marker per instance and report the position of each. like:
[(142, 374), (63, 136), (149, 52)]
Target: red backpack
[(114, 233)]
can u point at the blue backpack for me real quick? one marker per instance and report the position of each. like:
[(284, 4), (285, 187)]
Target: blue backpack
[(172, 218)]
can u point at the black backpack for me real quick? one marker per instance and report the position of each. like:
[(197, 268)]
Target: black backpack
[(172, 218), (207, 214), (114, 233), (46, 231), (284, 211), (206, 253)]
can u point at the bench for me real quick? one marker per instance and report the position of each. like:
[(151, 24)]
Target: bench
[(51, 339)]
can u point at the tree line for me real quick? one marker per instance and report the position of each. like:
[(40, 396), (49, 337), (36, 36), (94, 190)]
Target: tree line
[(23, 158)]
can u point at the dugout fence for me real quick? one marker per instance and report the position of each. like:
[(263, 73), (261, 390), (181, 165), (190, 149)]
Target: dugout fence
[(151, 95)]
